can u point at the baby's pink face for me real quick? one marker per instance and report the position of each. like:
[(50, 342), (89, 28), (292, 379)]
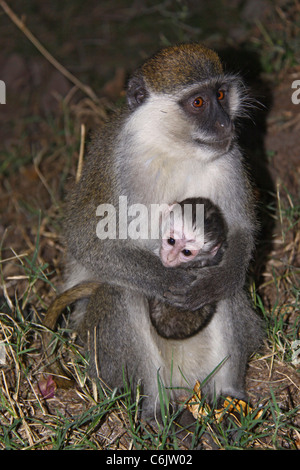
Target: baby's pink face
[(175, 251)]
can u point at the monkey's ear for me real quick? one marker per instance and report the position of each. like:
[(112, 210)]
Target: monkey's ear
[(136, 91)]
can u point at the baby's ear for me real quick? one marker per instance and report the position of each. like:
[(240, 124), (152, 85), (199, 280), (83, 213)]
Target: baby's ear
[(215, 250)]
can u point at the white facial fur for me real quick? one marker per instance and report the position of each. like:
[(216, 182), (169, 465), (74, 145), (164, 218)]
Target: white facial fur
[(163, 153), (179, 243), (163, 157), (173, 255)]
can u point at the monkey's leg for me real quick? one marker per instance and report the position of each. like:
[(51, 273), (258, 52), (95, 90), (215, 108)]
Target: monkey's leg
[(118, 334), (231, 337), (217, 355)]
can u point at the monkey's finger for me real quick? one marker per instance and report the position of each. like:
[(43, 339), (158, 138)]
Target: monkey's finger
[(175, 300), (177, 290)]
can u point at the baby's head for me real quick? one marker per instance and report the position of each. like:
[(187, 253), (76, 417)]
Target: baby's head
[(183, 240)]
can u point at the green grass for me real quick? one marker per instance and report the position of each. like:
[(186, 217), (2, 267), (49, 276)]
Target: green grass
[(26, 423)]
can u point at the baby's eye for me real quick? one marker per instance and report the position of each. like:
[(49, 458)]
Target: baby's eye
[(186, 252), (171, 241)]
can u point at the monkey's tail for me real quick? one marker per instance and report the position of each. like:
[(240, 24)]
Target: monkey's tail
[(61, 378)]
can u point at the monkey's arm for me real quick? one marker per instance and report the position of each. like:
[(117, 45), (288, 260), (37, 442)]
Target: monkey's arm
[(124, 265)]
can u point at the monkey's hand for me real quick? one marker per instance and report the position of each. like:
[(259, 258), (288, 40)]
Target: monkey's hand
[(213, 283), (168, 284)]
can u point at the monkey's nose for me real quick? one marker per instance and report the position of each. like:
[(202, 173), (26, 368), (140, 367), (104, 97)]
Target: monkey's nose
[(224, 126), (171, 257)]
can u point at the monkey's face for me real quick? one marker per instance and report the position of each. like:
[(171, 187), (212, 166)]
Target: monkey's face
[(188, 104), (197, 120), (210, 110), (175, 251)]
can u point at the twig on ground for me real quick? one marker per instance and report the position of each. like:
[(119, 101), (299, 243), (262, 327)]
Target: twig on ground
[(20, 24)]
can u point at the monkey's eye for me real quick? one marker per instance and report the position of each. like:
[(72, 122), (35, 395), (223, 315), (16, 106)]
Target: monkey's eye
[(198, 102), (220, 95), (171, 241), (186, 252)]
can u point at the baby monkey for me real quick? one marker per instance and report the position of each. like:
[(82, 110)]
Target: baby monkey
[(186, 239), (203, 245)]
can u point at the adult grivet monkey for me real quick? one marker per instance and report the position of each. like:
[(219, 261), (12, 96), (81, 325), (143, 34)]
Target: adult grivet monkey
[(175, 139)]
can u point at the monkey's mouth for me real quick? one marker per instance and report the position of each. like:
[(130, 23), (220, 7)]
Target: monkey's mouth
[(216, 144)]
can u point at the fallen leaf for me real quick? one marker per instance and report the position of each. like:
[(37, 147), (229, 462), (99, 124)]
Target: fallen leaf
[(47, 387), (231, 406)]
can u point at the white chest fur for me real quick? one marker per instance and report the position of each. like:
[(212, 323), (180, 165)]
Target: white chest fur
[(169, 179), (164, 164)]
